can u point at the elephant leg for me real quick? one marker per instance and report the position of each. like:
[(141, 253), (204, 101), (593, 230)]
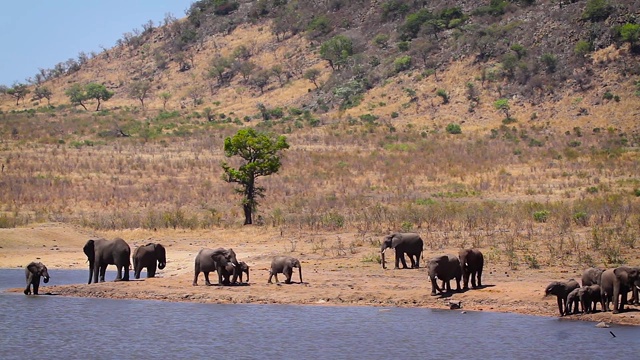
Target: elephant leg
[(151, 270), (195, 278), (103, 271), (288, 272), (473, 279), (413, 261), (119, 273), (27, 290), (125, 270), (270, 276), (616, 295), (36, 285), (206, 278), (136, 272), (457, 284), (220, 280), (480, 278), (560, 307), (402, 259)]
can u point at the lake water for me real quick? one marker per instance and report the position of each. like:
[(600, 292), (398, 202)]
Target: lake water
[(82, 328)]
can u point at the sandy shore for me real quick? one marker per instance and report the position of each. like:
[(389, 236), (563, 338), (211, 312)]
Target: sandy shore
[(332, 274)]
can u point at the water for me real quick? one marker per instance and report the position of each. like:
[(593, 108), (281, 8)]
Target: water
[(78, 328)]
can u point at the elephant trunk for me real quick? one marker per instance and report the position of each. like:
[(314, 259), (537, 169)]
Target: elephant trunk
[(300, 272), (90, 271), (384, 265), (247, 275), (46, 277), (161, 265)]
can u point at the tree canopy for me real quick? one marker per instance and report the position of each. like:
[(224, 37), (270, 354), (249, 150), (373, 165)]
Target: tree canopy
[(79, 94), (260, 154)]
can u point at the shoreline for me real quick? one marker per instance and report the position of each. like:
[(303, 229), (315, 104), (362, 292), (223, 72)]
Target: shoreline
[(348, 278)]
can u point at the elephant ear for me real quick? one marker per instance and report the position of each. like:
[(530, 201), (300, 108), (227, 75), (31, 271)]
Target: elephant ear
[(89, 250), (33, 267)]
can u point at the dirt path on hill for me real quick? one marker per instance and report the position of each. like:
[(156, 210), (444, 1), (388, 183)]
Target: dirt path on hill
[(331, 276)]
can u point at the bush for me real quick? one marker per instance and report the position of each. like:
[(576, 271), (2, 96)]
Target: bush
[(541, 216), (402, 63), (597, 10), (454, 129)]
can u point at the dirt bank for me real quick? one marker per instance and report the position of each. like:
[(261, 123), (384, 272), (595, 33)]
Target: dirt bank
[(335, 272)]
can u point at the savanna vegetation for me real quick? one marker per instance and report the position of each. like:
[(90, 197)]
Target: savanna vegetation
[(505, 125)]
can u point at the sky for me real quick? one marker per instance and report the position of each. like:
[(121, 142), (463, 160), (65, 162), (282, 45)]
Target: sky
[(41, 33)]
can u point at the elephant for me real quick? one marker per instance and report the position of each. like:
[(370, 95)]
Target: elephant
[(445, 268), (103, 252), (472, 262), (561, 290), (209, 260), (589, 297), (285, 265), (228, 271), (149, 256), (573, 302), (34, 271), (615, 284), (591, 276), (403, 243)]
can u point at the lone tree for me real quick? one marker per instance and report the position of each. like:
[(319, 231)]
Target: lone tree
[(260, 154), (18, 91), (140, 90), (79, 94)]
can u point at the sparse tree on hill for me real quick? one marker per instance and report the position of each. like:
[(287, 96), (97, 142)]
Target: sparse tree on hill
[(140, 90), (312, 75), (77, 95), (165, 96), (18, 91), (261, 79), (260, 154), (42, 92), (98, 92), (217, 67), (336, 51)]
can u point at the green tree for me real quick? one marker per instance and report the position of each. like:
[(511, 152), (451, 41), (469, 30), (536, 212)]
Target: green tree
[(336, 50), (312, 75), (218, 67), (260, 154), (18, 91), (503, 105), (630, 33), (43, 92), (139, 90), (597, 10), (77, 95), (98, 92), (261, 79), (165, 96)]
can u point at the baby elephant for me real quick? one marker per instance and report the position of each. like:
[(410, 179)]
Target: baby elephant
[(227, 272), (284, 265), (33, 272), (561, 290), (573, 302), (589, 298)]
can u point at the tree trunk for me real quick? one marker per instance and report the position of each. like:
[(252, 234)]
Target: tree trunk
[(247, 214)]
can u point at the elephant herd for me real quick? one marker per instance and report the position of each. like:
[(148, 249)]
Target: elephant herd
[(598, 287), (468, 263)]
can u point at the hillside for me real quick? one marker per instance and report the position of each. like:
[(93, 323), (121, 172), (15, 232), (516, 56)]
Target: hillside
[(511, 126)]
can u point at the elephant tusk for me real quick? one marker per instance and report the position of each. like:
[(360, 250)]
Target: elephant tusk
[(382, 252)]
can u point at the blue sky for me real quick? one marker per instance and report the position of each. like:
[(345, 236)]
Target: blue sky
[(41, 33)]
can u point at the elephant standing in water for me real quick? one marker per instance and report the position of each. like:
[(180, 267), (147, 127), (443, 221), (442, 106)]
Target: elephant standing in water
[(403, 243), (209, 260), (445, 268), (34, 271), (616, 283), (149, 256), (228, 270), (561, 290), (472, 262), (284, 265), (103, 252)]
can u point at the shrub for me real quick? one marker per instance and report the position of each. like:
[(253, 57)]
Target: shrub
[(444, 95), (402, 63), (541, 216), (597, 10), (454, 129)]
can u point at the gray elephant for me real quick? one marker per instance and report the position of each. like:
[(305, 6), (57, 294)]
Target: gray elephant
[(149, 256), (591, 276), (284, 265), (472, 262), (34, 271), (573, 302), (228, 271), (561, 290), (615, 284), (589, 297), (445, 268), (209, 260), (403, 243), (103, 252)]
